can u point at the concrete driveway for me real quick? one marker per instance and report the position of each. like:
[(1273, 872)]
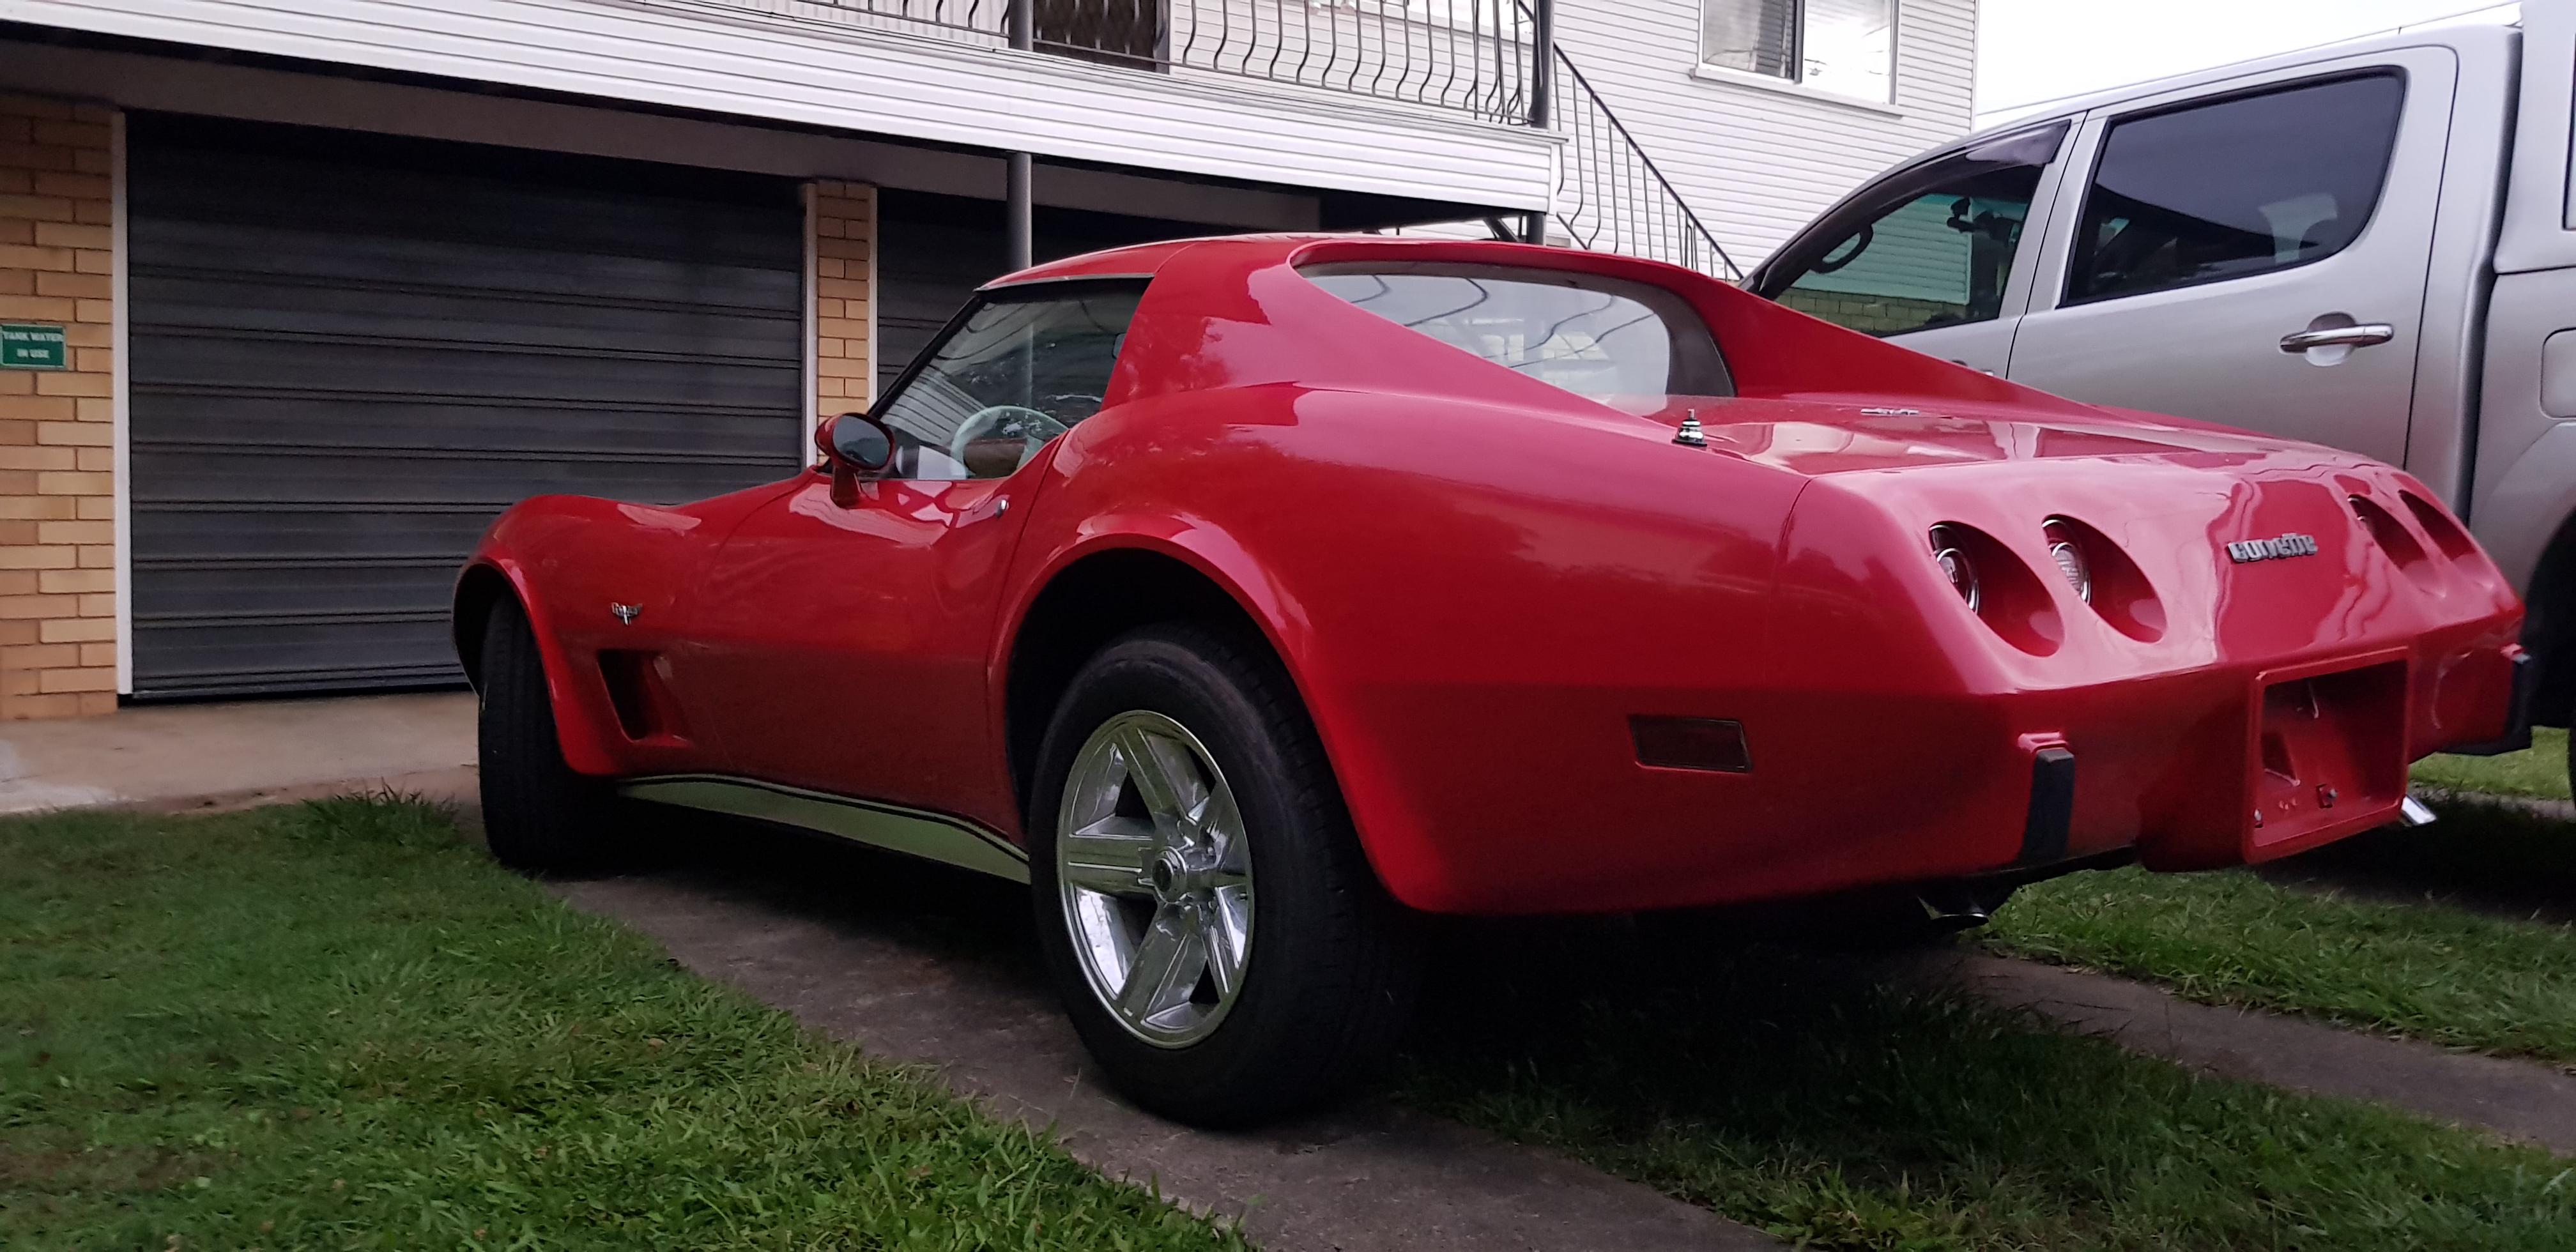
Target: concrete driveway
[(241, 752), (922, 963)]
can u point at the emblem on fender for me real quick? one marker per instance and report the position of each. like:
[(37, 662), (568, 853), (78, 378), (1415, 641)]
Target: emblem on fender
[(625, 612), (2282, 548)]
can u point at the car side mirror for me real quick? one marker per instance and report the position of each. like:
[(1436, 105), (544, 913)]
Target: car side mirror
[(854, 446)]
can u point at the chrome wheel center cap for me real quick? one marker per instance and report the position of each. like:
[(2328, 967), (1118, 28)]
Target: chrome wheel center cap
[(1177, 877), (1168, 874)]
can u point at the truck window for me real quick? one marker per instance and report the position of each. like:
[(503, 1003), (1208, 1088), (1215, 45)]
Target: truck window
[(1933, 246), (2237, 187)]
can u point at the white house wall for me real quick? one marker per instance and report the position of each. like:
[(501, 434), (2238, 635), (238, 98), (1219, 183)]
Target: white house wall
[(1757, 162), (728, 60)]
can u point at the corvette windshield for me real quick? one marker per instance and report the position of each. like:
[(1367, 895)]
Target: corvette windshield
[(1596, 337)]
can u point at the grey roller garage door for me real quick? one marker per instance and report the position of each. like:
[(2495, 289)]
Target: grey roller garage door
[(351, 352), (936, 250)]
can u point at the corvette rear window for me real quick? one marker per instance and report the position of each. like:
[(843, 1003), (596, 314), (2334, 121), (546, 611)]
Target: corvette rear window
[(1594, 336)]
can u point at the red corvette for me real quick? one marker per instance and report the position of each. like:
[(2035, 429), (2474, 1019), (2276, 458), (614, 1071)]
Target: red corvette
[(1252, 598)]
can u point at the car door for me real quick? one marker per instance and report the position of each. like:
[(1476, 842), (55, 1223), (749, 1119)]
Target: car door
[(1932, 255), (845, 648), (2254, 257)]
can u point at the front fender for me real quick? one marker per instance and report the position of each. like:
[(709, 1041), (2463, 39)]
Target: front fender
[(579, 728), (570, 560)]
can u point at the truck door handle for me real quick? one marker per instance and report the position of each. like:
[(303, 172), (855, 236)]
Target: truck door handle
[(2361, 336)]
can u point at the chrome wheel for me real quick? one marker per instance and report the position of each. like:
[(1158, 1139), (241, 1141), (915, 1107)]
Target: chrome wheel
[(1156, 876)]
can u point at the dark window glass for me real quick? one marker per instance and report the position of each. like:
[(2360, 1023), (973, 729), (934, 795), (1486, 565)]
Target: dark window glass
[(1933, 247), (1593, 336), (2238, 187), (1023, 366)]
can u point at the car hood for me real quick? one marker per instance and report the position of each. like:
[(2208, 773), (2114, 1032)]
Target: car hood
[(1817, 437)]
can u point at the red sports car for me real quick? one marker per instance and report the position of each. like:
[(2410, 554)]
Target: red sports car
[(1253, 598)]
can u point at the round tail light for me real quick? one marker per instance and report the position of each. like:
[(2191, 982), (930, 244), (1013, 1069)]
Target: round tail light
[(1955, 565), (2068, 551)]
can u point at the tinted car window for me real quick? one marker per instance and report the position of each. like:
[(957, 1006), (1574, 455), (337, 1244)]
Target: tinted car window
[(1021, 367), (1933, 247), (2242, 186), (1592, 336)]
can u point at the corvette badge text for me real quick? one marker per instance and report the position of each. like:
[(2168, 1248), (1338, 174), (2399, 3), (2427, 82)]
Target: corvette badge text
[(2289, 545)]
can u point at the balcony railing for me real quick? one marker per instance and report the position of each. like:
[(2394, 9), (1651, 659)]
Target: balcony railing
[(1471, 56), (1478, 57)]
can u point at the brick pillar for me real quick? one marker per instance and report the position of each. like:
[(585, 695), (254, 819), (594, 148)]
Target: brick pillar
[(57, 528), (845, 229)]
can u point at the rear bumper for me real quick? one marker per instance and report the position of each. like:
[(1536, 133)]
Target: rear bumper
[(2195, 768)]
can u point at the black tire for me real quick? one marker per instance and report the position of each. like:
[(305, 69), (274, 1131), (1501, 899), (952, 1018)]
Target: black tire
[(539, 817), (1333, 963)]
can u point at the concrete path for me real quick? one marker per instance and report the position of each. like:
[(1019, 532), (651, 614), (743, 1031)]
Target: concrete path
[(2518, 1100), (924, 965), (241, 753)]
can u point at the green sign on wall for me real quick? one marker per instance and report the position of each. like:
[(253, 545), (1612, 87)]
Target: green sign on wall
[(27, 346)]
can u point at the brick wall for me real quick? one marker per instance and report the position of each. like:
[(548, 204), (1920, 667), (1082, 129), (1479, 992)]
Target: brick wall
[(57, 533), (845, 217), (1878, 315)]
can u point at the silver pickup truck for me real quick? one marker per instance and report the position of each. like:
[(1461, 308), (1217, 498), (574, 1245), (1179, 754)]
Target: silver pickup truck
[(2370, 244)]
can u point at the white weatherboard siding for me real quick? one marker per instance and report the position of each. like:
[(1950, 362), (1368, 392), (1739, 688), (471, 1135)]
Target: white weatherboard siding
[(731, 62), (1756, 163)]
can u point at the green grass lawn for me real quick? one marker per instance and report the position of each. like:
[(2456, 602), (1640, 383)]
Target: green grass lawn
[(2343, 940), (2539, 770), (1838, 1104), (336, 1026)]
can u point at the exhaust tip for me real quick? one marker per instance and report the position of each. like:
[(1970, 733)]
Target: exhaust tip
[(2414, 812), (1953, 907)]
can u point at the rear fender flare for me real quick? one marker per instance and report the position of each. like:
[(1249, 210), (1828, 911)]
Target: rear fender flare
[(1388, 833), (1202, 546)]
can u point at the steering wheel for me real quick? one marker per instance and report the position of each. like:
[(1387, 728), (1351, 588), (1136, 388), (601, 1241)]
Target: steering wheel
[(997, 440)]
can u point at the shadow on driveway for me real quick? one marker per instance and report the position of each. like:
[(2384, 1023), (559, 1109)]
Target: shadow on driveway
[(920, 963)]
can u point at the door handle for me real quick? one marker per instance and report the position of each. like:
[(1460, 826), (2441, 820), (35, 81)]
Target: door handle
[(2361, 336)]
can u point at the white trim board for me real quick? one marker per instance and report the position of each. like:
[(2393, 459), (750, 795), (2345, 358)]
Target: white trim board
[(249, 94), (120, 409)]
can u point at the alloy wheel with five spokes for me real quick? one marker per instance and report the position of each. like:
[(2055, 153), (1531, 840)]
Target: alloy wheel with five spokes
[(1156, 878)]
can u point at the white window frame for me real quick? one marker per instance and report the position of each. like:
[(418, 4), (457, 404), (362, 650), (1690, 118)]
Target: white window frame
[(1798, 83)]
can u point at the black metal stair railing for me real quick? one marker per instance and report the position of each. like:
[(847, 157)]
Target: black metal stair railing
[(1610, 195)]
